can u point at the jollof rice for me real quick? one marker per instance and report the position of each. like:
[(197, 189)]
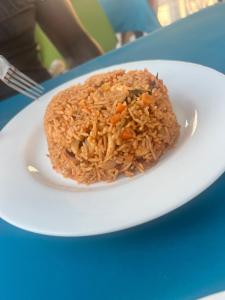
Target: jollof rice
[(115, 123)]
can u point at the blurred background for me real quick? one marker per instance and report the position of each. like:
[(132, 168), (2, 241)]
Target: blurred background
[(45, 38), (118, 22), (166, 12)]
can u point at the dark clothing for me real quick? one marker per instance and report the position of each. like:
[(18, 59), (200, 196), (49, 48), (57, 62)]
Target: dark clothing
[(57, 19), (17, 44)]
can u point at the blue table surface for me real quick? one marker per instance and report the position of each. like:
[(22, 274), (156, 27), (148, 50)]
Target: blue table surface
[(178, 256)]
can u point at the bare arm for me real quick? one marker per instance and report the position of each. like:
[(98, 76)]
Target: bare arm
[(58, 21)]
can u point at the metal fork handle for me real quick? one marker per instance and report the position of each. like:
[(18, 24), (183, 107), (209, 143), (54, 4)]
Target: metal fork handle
[(4, 66), (18, 81)]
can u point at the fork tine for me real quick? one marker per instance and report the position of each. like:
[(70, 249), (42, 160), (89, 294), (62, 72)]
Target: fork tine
[(20, 90), (22, 86), (19, 78), (26, 78)]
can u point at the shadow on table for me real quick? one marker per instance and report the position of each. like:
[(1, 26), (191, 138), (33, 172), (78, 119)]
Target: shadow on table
[(177, 256)]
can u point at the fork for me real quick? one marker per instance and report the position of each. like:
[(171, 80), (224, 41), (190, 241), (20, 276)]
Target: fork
[(18, 81)]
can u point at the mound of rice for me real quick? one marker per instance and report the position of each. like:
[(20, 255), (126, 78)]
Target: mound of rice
[(115, 123)]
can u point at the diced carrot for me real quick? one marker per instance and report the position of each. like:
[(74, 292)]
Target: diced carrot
[(147, 99), (127, 134), (120, 107), (115, 118)]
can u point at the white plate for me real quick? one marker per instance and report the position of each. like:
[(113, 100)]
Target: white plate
[(34, 197), (217, 296)]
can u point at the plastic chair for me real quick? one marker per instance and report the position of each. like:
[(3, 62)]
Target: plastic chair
[(130, 15)]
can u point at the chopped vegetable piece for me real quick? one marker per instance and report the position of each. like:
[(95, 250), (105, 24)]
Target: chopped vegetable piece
[(127, 134)]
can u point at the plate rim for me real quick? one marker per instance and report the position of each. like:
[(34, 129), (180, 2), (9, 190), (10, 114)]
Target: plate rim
[(128, 224)]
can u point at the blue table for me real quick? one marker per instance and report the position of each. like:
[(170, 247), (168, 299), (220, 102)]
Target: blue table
[(178, 256)]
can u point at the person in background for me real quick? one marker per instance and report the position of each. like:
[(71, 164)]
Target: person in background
[(127, 16), (18, 19)]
